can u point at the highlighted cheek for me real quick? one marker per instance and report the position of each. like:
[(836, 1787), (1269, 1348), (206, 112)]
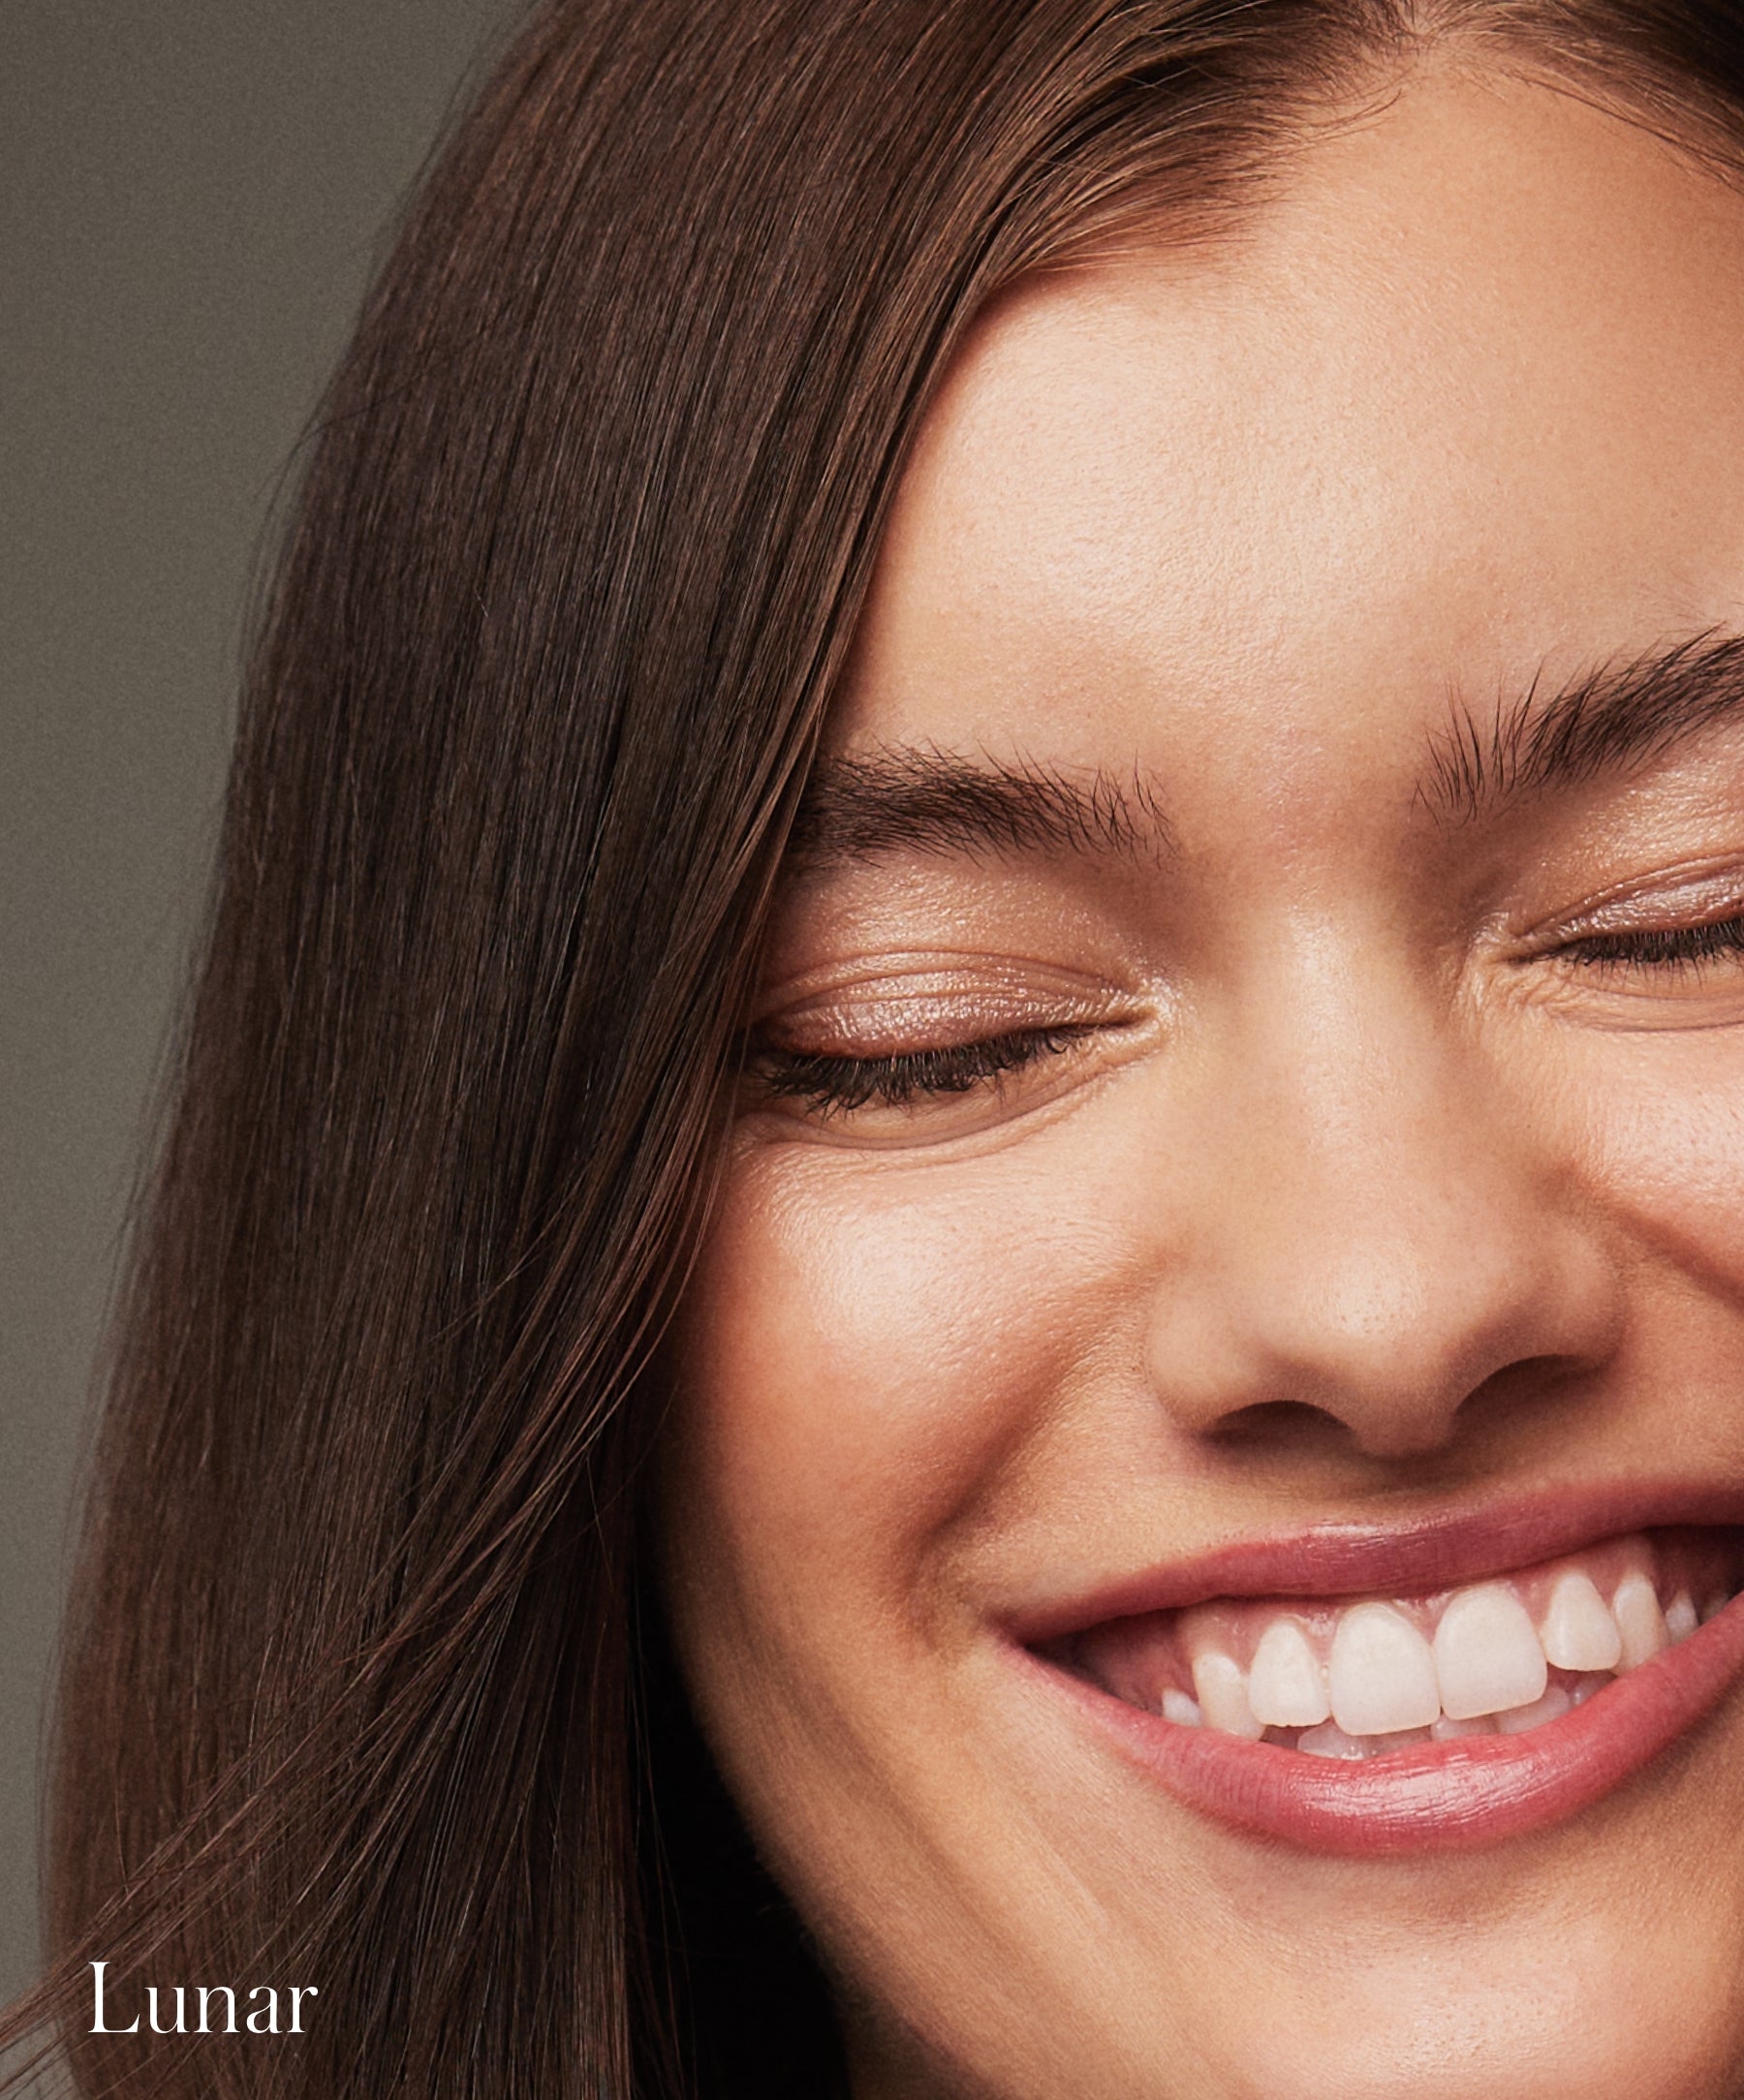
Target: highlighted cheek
[(857, 1369), (1670, 1162)]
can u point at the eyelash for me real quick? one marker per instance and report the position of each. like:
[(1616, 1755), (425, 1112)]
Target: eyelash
[(1663, 947), (843, 1084)]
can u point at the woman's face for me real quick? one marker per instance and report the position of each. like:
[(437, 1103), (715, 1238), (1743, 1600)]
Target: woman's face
[(1249, 1125)]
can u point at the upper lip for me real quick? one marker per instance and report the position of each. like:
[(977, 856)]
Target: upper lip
[(1438, 1550)]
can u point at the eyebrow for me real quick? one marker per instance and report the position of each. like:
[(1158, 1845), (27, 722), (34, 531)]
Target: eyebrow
[(1622, 714), (917, 799)]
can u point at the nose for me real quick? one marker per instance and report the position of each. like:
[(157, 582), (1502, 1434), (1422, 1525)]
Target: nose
[(1379, 1226)]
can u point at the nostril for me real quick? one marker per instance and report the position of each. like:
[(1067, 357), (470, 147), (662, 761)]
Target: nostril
[(1301, 1428), (1406, 1427), (1283, 1426), (1533, 1386)]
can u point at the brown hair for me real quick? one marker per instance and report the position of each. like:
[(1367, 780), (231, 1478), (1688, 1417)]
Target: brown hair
[(362, 1690)]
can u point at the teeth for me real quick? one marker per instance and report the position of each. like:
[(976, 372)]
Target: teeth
[(1370, 1677), (1554, 1704), (1329, 1739), (1487, 1657), (1223, 1697), (1382, 1675), (1579, 1632), (1407, 1738), (1640, 1621), (1286, 1687), (1448, 1730)]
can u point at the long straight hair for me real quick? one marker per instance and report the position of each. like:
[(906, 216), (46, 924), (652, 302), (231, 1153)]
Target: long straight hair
[(362, 1692)]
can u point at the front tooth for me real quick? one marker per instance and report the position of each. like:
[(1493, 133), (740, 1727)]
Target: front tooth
[(1640, 1621), (1223, 1698), (1382, 1675), (1577, 1631), (1285, 1687), (1487, 1657), (1179, 1708)]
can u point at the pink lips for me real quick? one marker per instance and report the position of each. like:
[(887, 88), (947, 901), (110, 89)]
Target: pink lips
[(1470, 1792)]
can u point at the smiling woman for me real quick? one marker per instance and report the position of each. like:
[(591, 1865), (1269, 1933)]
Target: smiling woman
[(950, 1299), (1223, 1310)]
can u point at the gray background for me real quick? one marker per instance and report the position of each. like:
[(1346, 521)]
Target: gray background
[(192, 193)]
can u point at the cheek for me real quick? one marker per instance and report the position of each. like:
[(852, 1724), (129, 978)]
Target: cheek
[(1666, 1125), (869, 1354), (864, 1348)]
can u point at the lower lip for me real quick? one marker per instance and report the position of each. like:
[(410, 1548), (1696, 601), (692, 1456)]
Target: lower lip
[(1476, 1790)]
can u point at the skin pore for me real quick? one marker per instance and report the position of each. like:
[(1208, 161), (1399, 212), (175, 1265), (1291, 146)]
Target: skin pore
[(1220, 1072)]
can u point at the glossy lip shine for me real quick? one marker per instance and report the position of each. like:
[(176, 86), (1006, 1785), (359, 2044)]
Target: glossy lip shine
[(1472, 1791)]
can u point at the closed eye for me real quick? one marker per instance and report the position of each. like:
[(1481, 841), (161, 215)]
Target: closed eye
[(840, 1085)]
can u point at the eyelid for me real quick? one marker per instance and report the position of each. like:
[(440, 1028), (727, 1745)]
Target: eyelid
[(1687, 895), (885, 1029), (885, 1009)]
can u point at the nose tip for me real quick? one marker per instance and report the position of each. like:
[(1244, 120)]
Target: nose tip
[(1380, 1267), (1388, 1332)]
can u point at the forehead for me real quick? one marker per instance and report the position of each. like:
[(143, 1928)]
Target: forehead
[(1463, 402)]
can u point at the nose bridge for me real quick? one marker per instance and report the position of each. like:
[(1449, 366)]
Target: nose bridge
[(1392, 1232), (1366, 1099)]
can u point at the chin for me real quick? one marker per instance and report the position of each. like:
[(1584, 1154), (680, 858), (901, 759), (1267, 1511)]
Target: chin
[(1592, 1960), (1567, 2008)]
